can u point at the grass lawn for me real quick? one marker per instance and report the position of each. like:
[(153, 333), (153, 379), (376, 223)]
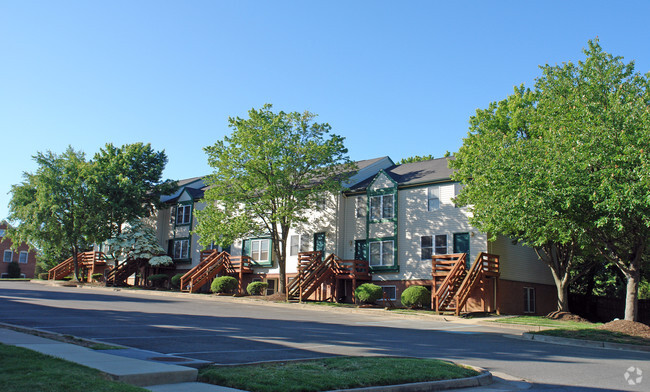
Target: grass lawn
[(332, 373), (597, 335), (544, 322), (24, 370)]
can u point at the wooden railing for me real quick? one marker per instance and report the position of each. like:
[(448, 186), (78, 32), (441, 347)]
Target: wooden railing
[(214, 264), (358, 269), (118, 275), (185, 279), (486, 265), (85, 260), (451, 269)]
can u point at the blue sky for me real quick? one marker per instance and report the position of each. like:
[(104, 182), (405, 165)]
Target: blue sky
[(395, 78)]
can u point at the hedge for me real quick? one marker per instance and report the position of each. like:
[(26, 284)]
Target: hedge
[(224, 284), (416, 297), (257, 288), (368, 293)]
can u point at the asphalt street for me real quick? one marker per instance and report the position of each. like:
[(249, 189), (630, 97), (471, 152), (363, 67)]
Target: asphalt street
[(230, 330)]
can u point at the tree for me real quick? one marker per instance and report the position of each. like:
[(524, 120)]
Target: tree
[(267, 174), (54, 206), (128, 183), (567, 164), (138, 242), (416, 158)]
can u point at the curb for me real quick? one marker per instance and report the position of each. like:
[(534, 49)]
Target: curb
[(584, 343), (483, 379)]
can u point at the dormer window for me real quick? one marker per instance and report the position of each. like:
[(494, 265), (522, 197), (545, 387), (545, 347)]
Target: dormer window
[(183, 214), (381, 207)]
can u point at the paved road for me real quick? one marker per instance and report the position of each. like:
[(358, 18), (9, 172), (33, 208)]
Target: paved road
[(231, 330)]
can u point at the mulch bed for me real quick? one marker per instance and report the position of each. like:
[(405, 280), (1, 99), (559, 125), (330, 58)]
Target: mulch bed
[(632, 328), (565, 316)]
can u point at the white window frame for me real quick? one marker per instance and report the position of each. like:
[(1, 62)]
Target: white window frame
[(394, 297), (271, 290), (180, 214), (382, 215), (11, 256), (257, 254), (184, 251), (382, 253), (2, 233), (359, 207), (433, 198), (422, 247), (294, 242), (20, 257), (529, 300), (435, 244)]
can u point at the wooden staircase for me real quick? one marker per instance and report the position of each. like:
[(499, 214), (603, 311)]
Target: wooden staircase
[(117, 276), (457, 283), (88, 262), (313, 271), (215, 263)]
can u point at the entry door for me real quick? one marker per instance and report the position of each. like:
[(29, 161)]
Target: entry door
[(319, 242), (461, 245), (360, 250)]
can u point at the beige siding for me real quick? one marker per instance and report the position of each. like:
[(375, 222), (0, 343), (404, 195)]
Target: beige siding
[(354, 228), (520, 263), (381, 182)]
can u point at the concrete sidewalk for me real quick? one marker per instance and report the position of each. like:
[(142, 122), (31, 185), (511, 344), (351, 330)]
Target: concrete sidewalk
[(154, 376)]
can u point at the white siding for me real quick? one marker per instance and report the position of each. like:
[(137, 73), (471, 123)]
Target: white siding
[(520, 263)]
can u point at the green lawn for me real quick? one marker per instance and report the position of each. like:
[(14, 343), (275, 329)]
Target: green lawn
[(332, 373), (544, 322), (597, 335), (23, 370)]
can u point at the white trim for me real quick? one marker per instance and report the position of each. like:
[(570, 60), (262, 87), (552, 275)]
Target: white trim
[(4, 256), (394, 298), (20, 255), (382, 262), (433, 198)]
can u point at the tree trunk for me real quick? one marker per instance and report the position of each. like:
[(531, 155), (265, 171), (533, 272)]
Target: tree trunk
[(632, 291), (562, 296)]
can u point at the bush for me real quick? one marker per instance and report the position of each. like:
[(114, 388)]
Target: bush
[(176, 280), (98, 277), (158, 280), (43, 276), (416, 297), (257, 288), (368, 293), (13, 270), (224, 284)]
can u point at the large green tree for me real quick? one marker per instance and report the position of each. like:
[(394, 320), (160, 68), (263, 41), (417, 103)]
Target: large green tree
[(566, 166), (128, 182), (54, 207), (267, 174)]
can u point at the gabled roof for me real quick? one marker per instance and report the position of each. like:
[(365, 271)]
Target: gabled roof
[(434, 170)]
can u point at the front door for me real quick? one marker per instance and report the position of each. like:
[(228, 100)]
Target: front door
[(461, 245), (360, 250), (319, 243)]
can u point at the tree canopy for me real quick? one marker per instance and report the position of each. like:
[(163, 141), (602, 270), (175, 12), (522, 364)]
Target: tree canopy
[(138, 241), (564, 167), (70, 203), (267, 174)]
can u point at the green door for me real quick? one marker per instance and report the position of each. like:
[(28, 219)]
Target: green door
[(461, 245), (319, 242), (360, 250)]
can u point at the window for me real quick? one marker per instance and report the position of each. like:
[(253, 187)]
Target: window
[(381, 207), (182, 249), (260, 250), (433, 198), (2, 233), (8, 256), (294, 245), (441, 244), (381, 253), (22, 257), (426, 247), (529, 300), (183, 214), (390, 291), (359, 207), (270, 289)]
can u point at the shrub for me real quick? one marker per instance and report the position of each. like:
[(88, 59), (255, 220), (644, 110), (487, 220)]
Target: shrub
[(43, 275), (224, 284), (176, 280), (416, 297), (368, 293), (158, 280), (98, 277), (13, 270), (257, 288)]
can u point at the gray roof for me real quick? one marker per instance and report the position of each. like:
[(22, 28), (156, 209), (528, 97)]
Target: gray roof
[(434, 170)]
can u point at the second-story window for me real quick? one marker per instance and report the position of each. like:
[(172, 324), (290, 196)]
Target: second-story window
[(183, 214), (433, 198), (294, 245), (359, 207), (22, 257), (381, 207)]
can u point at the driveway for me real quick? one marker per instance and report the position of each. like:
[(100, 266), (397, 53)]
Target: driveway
[(232, 330)]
